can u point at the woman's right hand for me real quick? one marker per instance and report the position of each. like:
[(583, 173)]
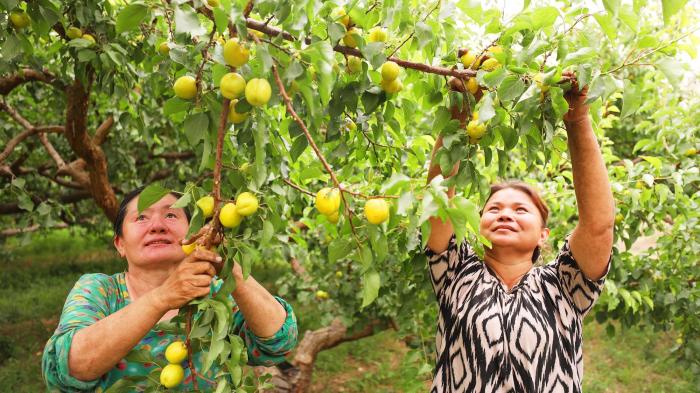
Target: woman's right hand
[(189, 280)]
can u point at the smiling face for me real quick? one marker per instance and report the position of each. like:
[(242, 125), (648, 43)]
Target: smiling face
[(153, 236), (511, 219)]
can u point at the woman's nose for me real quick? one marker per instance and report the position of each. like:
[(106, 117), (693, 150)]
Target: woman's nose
[(157, 226)]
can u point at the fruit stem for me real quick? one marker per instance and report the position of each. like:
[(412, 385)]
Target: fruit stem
[(190, 357)]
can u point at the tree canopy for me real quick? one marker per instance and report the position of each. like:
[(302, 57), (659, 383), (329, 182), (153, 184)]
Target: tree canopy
[(89, 112)]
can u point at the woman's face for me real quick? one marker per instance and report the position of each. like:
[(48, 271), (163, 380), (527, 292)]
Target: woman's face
[(153, 236), (510, 219)]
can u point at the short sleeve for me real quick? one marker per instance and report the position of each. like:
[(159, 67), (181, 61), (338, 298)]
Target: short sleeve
[(580, 291), (443, 265), (271, 350), (86, 304)]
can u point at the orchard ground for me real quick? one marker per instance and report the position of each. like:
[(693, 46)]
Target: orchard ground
[(37, 276)]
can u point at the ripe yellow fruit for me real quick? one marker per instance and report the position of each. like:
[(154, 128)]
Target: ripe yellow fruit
[(246, 204), (341, 16), (350, 125), (164, 48), (258, 92), (394, 86), (176, 352), (233, 116), (390, 71), (172, 375), (539, 80), (229, 216), (189, 248), (376, 211), (89, 38), (354, 64), (213, 3), (20, 19), (334, 217), (328, 200), (235, 54), (349, 38), (185, 87), (490, 64), (472, 85), (495, 50), (377, 34), (322, 295), (232, 85), (74, 32), (618, 218), (691, 152), (206, 203), (339, 274), (475, 130), (469, 60)]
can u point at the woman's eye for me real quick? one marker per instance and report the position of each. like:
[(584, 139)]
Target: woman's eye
[(173, 215), (140, 217), (522, 209)]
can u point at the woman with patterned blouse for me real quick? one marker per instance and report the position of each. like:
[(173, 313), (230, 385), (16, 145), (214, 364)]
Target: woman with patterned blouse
[(505, 325), (107, 317)]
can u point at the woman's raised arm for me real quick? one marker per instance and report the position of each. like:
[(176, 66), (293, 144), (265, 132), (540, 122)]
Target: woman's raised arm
[(592, 239), (441, 231)]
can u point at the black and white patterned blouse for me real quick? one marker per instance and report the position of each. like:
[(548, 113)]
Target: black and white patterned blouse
[(490, 339)]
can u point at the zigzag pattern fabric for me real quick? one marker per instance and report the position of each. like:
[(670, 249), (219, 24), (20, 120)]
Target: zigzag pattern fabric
[(526, 339)]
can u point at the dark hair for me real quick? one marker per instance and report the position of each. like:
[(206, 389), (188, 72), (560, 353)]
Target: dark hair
[(119, 219), (536, 199)]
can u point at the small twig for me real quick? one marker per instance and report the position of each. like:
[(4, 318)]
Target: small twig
[(248, 9), (297, 187), (169, 22), (205, 57), (646, 54), (437, 5)]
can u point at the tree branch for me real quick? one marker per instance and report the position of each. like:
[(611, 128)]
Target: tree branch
[(8, 83), (84, 147), (103, 130), (462, 74)]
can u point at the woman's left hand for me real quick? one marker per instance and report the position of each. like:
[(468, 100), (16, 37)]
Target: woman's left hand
[(578, 109)]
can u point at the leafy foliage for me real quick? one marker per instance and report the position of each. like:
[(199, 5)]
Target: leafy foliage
[(645, 118)]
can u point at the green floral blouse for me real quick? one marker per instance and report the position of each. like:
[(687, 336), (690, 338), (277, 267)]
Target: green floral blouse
[(96, 296)]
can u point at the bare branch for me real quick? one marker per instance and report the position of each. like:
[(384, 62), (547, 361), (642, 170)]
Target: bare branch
[(103, 130), (8, 83)]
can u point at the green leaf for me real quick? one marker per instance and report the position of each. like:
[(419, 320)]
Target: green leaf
[(672, 70), (196, 127), (370, 287), (510, 88), (186, 21), (374, 54), (611, 6), (175, 105), (150, 195), (607, 23), (654, 161), (543, 17), (486, 109), (670, 8), (183, 201), (338, 249), (631, 99), (131, 16)]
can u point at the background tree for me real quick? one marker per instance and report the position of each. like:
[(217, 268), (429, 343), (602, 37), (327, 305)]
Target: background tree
[(89, 113)]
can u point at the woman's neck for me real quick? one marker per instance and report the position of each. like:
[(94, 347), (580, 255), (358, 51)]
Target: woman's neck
[(509, 267), (140, 281)]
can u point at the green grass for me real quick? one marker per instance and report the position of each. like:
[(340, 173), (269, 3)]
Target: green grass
[(37, 277)]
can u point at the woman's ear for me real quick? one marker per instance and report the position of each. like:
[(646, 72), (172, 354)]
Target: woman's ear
[(544, 235), (119, 245)]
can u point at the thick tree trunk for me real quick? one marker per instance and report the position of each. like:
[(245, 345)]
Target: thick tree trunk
[(296, 377)]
